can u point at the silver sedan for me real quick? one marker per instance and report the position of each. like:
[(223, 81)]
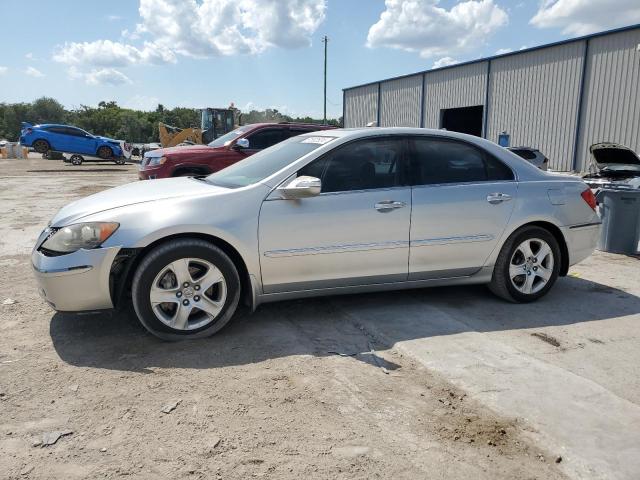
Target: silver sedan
[(338, 211)]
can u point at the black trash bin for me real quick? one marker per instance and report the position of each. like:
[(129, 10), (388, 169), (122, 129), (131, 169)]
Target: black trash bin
[(620, 212)]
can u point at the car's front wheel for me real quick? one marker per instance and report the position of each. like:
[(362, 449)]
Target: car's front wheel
[(527, 266), (185, 288)]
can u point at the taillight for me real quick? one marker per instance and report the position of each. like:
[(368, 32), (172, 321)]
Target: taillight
[(590, 198)]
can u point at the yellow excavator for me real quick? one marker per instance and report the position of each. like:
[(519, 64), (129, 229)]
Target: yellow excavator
[(214, 122), (171, 136)]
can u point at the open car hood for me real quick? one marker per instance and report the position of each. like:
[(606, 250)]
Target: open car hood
[(613, 156)]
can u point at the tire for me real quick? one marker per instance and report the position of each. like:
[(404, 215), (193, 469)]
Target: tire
[(76, 159), (155, 275), (105, 152), (120, 161), (41, 146), (538, 274)]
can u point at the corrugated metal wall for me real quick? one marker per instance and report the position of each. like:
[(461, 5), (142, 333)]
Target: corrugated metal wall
[(534, 97), (400, 102), (611, 101), (361, 106), (463, 86)]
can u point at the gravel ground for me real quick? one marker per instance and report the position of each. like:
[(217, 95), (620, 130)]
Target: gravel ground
[(297, 389)]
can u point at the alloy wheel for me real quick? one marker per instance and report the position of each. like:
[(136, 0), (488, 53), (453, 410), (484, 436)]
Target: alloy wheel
[(531, 266), (188, 294)]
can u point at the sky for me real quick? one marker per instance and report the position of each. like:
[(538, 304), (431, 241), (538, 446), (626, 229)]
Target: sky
[(263, 53)]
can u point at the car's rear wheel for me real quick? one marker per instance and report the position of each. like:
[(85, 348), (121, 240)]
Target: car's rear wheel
[(105, 152), (527, 266), (185, 288), (41, 146)]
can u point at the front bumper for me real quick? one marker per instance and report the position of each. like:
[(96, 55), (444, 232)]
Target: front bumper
[(78, 281), (150, 173)]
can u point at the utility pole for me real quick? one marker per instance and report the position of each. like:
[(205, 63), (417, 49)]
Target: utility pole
[(325, 40)]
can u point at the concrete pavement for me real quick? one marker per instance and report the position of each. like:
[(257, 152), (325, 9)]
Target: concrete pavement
[(566, 367)]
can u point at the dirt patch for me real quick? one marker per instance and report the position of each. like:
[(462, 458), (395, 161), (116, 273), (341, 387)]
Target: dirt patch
[(87, 190), (546, 338)]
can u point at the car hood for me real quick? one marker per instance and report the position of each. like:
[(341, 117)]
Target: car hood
[(613, 156), (184, 150), (133, 193), (107, 139)]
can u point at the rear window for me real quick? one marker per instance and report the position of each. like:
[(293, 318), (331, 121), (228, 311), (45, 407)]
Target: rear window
[(526, 154)]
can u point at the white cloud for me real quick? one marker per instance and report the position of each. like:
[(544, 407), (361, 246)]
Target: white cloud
[(33, 72), (100, 76), (3, 70), (502, 51), (106, 53), (113, 18), (580, 17), (142, 102), (422, 26), (445, 62), (229, 27), (106, 76), (29, 56), (202, 29)]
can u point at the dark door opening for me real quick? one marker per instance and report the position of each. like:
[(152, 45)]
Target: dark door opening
[(463, 120)]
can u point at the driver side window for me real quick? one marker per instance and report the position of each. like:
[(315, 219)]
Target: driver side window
[(265, 138), (361, 165)]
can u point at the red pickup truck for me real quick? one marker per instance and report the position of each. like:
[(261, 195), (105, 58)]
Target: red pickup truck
[(222, 152)]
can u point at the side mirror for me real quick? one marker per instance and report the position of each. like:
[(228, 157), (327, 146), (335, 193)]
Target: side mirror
[(301, 187), (241, 144)]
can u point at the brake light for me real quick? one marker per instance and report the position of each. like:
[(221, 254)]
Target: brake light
[(590, 198)]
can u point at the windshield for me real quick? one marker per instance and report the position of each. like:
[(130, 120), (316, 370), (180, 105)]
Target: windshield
[(266, 162), (227, 137)]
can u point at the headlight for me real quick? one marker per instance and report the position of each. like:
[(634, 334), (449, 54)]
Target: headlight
[(80, 235), (154, 161)]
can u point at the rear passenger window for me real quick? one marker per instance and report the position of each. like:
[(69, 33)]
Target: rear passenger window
[(437, 161), (361, 165)]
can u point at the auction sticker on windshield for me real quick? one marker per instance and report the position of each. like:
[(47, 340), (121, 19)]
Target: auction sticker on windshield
[(318, 140)]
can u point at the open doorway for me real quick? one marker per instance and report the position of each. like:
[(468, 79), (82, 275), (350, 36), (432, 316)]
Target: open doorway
[(463, 120)]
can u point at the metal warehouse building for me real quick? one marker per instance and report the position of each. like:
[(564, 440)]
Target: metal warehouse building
[(560, 98)]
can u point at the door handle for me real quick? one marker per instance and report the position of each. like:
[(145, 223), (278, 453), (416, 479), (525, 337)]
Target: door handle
[(388, 205), (496, 198)]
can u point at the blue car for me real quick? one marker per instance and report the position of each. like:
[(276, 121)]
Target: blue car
[(64, 138)]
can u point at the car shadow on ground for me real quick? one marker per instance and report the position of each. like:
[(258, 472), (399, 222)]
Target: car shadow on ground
[(348, 325)]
